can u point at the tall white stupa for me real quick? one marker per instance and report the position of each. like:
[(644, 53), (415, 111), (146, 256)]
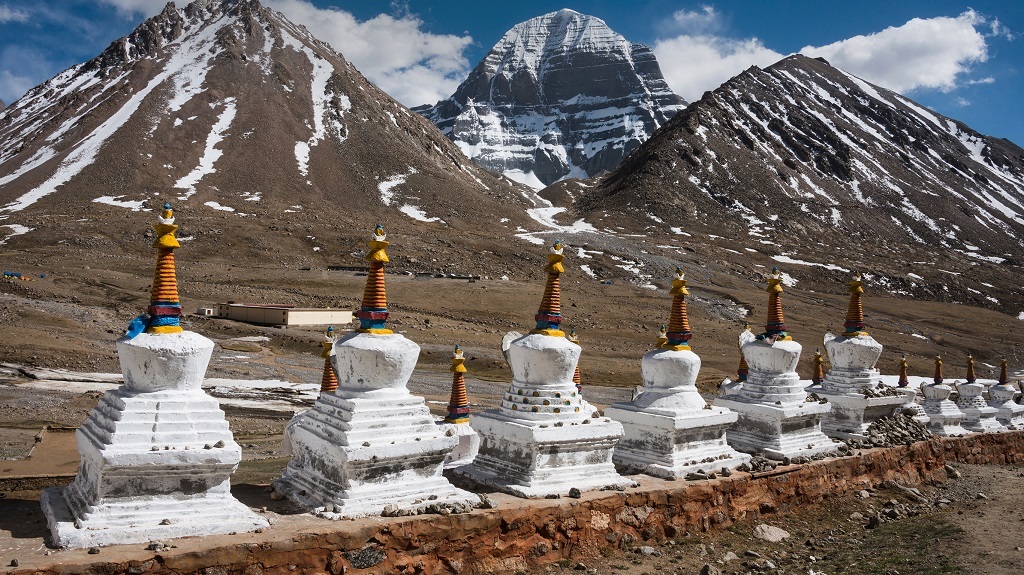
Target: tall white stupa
[(370, 444), (853, 387), (1008, 412), (156, 453), (775, 417), (670, 430), (544, 439)]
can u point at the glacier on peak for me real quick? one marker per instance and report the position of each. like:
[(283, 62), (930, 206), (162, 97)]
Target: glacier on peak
[(560, 95)]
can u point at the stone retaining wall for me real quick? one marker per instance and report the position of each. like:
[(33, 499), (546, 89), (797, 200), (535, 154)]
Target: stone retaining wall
[(521, 534)]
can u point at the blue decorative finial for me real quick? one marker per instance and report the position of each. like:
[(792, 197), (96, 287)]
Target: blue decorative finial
[(167, 205)]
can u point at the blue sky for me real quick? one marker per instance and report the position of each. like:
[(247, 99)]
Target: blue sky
[(963, 60)]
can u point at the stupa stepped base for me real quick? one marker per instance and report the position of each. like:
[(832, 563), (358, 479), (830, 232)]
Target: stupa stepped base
[(353, 456), (852, 413), (535, 459), (143, 519), (1011, 415), (944, 418), (981, 420), (672, 445), (779, 431), (466, 449)]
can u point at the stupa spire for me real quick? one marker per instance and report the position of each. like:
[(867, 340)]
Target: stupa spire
[(971, 378), (775, 326), (904, 380), (679, 333), (743, 370), (458, 405), (855, 312), (164, 305), (576, 378), (662, 336), (329, 380), (1004, 378), (374, 311), (937, 378), (819, 371), (549, 315)]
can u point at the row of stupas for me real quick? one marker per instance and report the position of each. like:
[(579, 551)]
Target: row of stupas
[(157, 453)]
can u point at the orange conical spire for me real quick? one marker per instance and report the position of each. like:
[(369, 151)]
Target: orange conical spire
[(904, 377), (549, 315), (743, 370), (164, 305), (329, 380), (1004, 379), (679, 333), (937, 378), (458, 405), (374, 311), (855, 313), (576, 377), (775, 327), (819, 371), (971, 378)]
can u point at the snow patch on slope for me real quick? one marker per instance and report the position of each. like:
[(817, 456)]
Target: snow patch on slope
[(211, 154)]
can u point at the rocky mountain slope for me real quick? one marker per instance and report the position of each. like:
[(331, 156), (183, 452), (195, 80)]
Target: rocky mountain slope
[(823, 171), (560, 95), (268, 143)]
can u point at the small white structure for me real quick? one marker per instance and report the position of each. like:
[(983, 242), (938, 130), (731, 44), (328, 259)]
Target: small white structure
[(286, 315), (544, 439), (978, 415), (775, 417), (943, 415), (370, 444), (156, 453), (670, 430), (853, 387), (1008, 412)]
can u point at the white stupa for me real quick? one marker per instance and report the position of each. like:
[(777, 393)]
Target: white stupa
[(544, 439), (156, 453), (943, 415), (1008, 412), (911, 407), (457, 419), (979, 416), (670, 430), (775, 417), (370, 443), (853, 387)]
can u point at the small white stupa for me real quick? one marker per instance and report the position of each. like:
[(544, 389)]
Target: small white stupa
[(156, 453), (943, 415), (775, 417), (853, 387), (911, 407), (1008, 412), (544, 439), (458, 416), (978, 415), (670, 430), (370, 443)]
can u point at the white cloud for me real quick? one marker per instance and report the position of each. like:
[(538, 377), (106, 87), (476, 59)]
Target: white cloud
[(923, 53), (145, 8), (693, 65), (13, 86), (412, 65), (932, 53), (8, 14)]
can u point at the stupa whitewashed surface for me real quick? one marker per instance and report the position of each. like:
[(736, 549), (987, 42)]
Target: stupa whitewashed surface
[(853, 387), (775, 417), (370, 443), (544, 439), (670, 430), (944, 416), (1008, 412), (156, 453), (979, 416)]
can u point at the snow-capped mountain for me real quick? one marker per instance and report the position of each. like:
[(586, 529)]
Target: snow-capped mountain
[(809, 163), (560, 95), (243, 121)]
